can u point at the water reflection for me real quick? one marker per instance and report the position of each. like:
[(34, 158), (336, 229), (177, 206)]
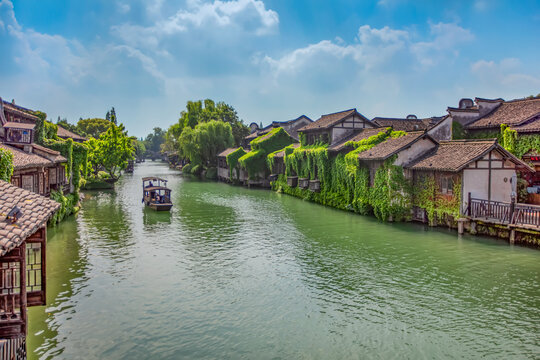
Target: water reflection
[(236, 273), (152, 218), (67, 264)]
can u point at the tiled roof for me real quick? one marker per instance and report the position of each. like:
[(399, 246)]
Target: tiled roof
[(401, 124), (455, 155), (36, 210), (19, 125), (509, 112), (64, 133), (18, 110), (282, 153), (529, 126), (24, 160), (258, 133), (50, 154), (364, 134), (391, 146), (328, 120), (278, 123), (227, 152)]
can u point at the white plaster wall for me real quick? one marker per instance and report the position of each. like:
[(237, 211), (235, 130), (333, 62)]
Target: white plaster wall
[(417, 149), (338, 134), (223, 172), (442, 131), (476, 182)]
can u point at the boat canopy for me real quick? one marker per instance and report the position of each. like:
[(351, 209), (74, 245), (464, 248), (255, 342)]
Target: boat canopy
[(153, 178)]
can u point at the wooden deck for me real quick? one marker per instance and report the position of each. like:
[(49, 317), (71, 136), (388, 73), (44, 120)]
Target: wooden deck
[(515, 215)]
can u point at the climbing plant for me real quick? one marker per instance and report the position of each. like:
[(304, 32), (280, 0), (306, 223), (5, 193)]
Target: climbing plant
[(232, 161), (255, 161), (345, 184), (6, 164), (437, 206)]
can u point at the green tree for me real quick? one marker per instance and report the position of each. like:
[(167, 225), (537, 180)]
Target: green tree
[(93, 127), (202, 144), (68, 126), (196, 113), (112, 151), (153, 142), (140, 148)]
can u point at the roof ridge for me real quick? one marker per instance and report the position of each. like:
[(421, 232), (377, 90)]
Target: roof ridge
[(338, 112)]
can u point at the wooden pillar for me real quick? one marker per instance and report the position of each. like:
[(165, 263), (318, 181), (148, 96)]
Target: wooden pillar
[(489, 177)]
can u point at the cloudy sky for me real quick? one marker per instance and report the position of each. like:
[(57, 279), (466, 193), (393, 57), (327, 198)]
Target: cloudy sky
[(270, 59)]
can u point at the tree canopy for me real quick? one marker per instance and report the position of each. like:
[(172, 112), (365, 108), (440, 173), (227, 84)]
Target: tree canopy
[(112, 151), (93, 127), (202, 143)]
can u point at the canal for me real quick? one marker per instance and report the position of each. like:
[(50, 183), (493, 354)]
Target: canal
[(233, 273)]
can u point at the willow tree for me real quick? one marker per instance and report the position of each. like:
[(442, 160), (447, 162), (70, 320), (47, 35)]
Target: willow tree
[(202, 143)]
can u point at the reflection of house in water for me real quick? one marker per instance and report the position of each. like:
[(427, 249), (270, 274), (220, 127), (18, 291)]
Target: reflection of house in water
[(23, 236)]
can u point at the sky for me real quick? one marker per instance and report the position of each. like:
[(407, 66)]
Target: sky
[(272, 60)]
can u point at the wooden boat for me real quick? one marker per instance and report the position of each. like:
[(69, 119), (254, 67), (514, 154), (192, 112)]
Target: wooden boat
[(155, 193), (129, 168)]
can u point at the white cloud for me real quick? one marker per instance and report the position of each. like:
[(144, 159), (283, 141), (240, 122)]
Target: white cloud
[(505, 73), (246, 16), (447, 38)]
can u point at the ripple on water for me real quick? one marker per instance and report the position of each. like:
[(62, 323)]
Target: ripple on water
[(236, 273)]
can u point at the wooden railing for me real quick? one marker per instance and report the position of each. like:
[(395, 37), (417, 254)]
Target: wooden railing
[(525, 214), (479, 208), (506, 213)]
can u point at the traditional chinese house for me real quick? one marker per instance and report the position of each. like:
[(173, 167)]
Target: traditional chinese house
[(332, 128), (16, 123), (23, 235), (38, 169), (439, 128), (484, 171), (290, 126), (485, 116)]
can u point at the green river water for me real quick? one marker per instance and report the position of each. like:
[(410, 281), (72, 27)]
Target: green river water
[(233, 273)]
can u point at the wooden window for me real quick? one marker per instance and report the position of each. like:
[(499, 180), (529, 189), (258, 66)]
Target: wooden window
[(28, 182), (447, 185), (35, 272), (26, 136)]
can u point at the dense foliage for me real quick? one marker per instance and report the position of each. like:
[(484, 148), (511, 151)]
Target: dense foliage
[(153, 143), (112, 151), (255, 161), (189, 139), (6, 165), (93, 127), (232, 162), (345, 183), (202, 143)]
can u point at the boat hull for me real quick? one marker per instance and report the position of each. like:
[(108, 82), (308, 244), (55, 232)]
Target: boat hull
[(160, 207)]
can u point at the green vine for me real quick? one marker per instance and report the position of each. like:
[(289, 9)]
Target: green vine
[(232, 161), (255, 162), (344, 183), (438, 207), (6, 165)]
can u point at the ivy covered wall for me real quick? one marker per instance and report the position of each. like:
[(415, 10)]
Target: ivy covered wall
[(345, 183), (255, 161)]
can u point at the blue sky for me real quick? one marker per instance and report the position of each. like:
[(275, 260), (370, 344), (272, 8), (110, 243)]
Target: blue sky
[(271, 60)]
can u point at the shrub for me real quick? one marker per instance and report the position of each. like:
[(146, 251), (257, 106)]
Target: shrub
[(187, 168), (197, 170), (211, 173)]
